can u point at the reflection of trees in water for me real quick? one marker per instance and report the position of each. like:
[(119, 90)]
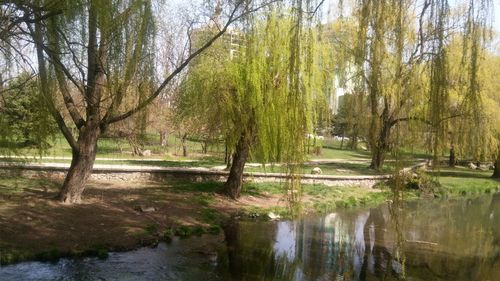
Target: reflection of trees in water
[(451, 240), (458, 240), (251, 256), (325, 246), (377, 258), (321, 249)]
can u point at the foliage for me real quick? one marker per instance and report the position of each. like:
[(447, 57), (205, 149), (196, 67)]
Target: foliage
[(24, 120), (251, 90)]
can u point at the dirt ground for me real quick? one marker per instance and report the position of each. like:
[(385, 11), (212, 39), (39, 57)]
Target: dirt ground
[(114, 215)]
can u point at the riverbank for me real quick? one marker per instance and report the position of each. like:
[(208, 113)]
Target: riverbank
[(118, 216)]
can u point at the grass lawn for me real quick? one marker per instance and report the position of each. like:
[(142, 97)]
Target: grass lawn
[(337, 153), (120, 148), (464, 181)]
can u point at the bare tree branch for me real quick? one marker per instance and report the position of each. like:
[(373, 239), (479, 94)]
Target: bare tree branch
[(232, 18)]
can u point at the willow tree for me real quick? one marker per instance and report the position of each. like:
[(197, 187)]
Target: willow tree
[(402, 55), (388, 57), (457, 83), (91, 55), (263, 96)]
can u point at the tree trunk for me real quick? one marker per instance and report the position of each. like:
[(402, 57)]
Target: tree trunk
[(381, 146), (354, 142), (81, 166), (453, 159), (204, 146), (184, 145), (496, 170), (227, 157), (163, 138), (377, 159), (232, 187)]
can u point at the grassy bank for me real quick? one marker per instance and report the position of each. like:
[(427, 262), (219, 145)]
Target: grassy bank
[(119, 216)]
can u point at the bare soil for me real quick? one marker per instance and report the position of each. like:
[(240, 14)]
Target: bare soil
[(33, 222)]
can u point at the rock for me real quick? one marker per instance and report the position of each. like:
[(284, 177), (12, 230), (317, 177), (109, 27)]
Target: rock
[(472, 166), (253, 215), (273, 216), (146, 153), (144, 209), (316, 171)]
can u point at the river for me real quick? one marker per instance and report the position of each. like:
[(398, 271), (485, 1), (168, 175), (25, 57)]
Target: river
[(421, 240)]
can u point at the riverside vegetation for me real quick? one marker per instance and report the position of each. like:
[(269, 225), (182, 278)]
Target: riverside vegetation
[(120, 216)]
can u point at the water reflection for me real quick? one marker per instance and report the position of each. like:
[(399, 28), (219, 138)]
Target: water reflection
[(443, 240), (438, 240)]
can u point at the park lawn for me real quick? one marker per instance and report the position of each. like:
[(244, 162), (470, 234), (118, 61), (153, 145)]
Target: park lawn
[(464, 181), (120, 148), (337, 153)]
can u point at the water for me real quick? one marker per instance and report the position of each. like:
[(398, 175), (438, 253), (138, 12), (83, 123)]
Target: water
[(425, 240)]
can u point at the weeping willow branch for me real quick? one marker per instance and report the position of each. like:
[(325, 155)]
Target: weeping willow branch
[(232, 18)]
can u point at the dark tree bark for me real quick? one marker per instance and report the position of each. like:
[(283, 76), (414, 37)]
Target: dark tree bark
[(234, 182), (496, 170), (452, 161), (227, 157), (381, 145), (81, 166), (353, 144), (184, 145)]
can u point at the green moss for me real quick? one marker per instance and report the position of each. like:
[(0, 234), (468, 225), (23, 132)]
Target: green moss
[(210, 216), (185, 231), (205, 199), (151, 229), (13, 256), (168, 234), (51, 255), (213, 229)]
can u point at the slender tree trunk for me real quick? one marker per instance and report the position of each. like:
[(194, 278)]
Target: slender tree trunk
[(204, 147), (235, 179), (377, 159), (453, 159), (496, 170), (227, 157), (163, 138), (354, 143), (81, 166), (381, 146), (184, 145)]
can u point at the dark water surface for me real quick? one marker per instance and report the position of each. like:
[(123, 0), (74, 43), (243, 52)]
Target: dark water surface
[(424, 240)]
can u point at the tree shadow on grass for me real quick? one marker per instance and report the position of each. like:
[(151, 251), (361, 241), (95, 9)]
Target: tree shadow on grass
[(460, 174)]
